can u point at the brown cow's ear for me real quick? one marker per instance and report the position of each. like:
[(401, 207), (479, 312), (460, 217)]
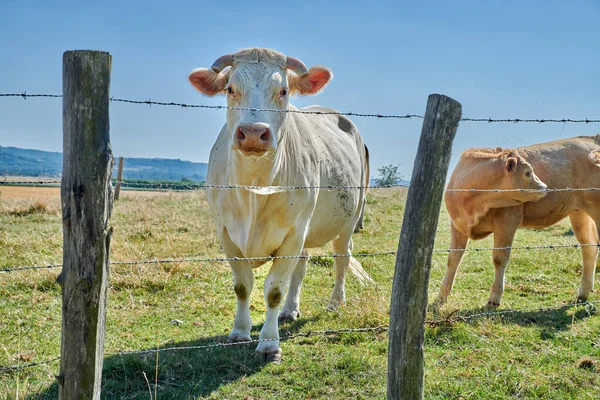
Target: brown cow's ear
[(510, 166), (594, 156), (312, 82), (207, 81)]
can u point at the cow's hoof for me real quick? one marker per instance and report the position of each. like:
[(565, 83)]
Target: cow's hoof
[(437, 304), (289, 316), (436, 307), (335, 304), (582, 299), (269, 357), (238, 337), (492, 305)]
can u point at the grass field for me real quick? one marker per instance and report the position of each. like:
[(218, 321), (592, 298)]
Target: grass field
[(535, 353)]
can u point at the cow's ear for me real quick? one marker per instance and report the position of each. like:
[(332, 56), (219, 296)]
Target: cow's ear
[(312, 82), (208, 81), (594, 156), (510, 166)]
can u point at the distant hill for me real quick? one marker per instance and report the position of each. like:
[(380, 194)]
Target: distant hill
[(26, 162)]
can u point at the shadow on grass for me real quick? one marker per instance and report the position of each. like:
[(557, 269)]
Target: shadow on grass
[(550, 321), (181, 374)]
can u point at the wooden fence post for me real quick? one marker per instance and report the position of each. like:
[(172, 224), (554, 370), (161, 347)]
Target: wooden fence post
[(86, 196), (413, 262), (119, 179)]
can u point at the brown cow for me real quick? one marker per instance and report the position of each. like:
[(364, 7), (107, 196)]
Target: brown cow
[(567, 163)]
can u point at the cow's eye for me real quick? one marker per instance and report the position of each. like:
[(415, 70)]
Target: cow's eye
[(283, 92), (528, 174), (229, 90)]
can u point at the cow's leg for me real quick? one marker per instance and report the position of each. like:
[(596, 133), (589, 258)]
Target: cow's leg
[(341, 245), (360, 223), (291, 308), (243, 281), (508, 221), (586, 233), (268, 348), (458, 241)]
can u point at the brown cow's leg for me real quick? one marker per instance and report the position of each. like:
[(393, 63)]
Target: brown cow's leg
[(586, 233), (507, 221), (291, 308), (457, 241)]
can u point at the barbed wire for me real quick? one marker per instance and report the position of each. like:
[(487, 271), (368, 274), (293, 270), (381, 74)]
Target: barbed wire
[(36, 182), (529, 120), (315, 256), (275, 189), (380, 328), (150, 102), (548, 190), (25, 95), (451, 319), (14, 269), (252, 187), (209, 260), (535, 247), (22, 366)]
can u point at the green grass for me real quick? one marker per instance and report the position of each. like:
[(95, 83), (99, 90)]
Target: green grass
[(549, 354)]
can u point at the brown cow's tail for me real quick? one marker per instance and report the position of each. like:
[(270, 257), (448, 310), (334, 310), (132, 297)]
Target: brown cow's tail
[(363, 277)]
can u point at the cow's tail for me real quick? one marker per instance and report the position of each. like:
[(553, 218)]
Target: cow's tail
[(368, 177), (360, 223), (359, 272)]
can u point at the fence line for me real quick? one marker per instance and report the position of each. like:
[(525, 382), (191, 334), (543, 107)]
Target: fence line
[(277, 189), (315, 256), (451, 319), (23, 366), (24, 95), (272, 189)]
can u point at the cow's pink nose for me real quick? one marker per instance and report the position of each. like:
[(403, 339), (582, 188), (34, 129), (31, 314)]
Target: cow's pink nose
[(258, 132)]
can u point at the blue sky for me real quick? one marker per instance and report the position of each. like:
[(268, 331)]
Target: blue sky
[(500, 59)]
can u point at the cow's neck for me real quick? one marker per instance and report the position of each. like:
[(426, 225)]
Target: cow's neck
[(248, 171)]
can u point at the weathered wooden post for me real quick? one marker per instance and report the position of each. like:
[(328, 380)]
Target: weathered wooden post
[(413, 262), (119, 179), (86, 196)]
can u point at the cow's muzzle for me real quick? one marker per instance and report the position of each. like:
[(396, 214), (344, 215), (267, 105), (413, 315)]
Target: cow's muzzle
[(253, 138)]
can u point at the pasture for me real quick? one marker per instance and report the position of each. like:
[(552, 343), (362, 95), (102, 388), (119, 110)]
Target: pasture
[(533, 353)]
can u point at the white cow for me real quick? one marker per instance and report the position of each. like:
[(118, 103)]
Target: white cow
[(266, 148)]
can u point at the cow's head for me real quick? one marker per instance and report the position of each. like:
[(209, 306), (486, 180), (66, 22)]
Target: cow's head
[(258, 79), (519, 174)]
